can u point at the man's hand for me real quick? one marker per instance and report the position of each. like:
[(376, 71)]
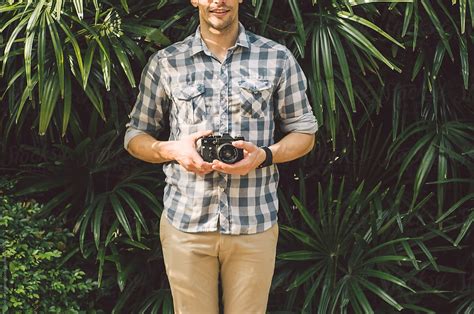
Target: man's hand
[(253, 157), (185, 153)]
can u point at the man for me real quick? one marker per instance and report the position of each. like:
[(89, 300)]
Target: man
[(221, 218)]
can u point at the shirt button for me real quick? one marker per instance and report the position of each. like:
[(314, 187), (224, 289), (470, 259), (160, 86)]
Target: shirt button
[(222, 189)]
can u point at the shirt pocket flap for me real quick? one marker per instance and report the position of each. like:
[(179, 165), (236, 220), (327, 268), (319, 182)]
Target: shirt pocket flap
[(255, 86), (188, 92)]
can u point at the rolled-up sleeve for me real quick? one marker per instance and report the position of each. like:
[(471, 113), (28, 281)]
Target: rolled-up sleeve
[(294, 110), (151, 104)]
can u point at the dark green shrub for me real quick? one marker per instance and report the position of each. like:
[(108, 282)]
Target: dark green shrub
[(33, 252)]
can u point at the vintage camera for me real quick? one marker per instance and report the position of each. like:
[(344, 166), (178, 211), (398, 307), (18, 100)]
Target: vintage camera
[(221, 148)]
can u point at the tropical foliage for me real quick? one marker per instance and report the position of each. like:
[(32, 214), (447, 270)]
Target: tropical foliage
[(36, 253), (377, 218)]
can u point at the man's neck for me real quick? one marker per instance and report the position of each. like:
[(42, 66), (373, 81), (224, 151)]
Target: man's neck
[(219, 42)]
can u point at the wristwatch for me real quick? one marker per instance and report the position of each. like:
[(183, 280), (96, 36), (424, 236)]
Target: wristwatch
[(268, 157)]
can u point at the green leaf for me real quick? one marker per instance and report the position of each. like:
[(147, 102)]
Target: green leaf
[(97, 221), (442, 175), (123, 59), (387, 243), (137, 51), (343, 64), (471, 9), (359, 2), (75, 45), (134, 243), (462, 14), (176, 17), (78, 4), (427, 253), (407, 160), (57, 9), (48, 103), (310, 295), (328, 67), (358, 39), (437, 24), (10, 43), (361, 298), (367, 23), (106, 68), (417, 308), (416, 24), (410, 254), (463, 51), (89, 56), (41, 54), (438, 60), (424, 168), (101, 259), (152, 34), (33, 19), (308, 218), (112, 233), (456, 205), (301, 38), (157, 208), (407, 18), (325, 293), (58, 51), (301, 255), (304, 277), (315, 87), (418, 65), (125, 5), (464, 229), (134, 206), (386, 276), (381, 293), (386, 258), (82, 224), (303, 237), (121, 215), (67, 101)]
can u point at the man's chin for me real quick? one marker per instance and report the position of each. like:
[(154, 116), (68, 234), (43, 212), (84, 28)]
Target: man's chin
[(220, 25)]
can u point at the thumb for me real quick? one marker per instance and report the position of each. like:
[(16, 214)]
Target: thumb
[(249, 147)]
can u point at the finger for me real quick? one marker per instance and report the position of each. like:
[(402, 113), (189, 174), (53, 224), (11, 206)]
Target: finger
[(203, 173), (219, 166), (200, 164), (236, 168), (199, 134)]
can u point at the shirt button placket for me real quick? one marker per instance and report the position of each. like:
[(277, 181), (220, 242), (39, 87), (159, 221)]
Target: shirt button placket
[(223, 100)]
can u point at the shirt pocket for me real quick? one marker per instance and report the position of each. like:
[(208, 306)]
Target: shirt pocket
[(190, 103), (255, 97)]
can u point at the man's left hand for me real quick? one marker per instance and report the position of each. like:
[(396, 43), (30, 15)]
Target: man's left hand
[(253, 157)]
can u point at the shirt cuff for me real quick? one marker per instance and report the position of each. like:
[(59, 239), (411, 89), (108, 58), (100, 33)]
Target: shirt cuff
[(129, 134), (305, 123)]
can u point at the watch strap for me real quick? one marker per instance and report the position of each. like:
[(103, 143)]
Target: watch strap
[(268, 157)]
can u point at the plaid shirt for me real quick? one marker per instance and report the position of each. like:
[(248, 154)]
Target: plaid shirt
[(258, 87)]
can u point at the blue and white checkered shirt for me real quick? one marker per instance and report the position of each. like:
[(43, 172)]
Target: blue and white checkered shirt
[(258, 87)]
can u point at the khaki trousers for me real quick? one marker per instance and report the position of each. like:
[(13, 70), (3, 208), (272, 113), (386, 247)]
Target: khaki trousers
[(193, 262)]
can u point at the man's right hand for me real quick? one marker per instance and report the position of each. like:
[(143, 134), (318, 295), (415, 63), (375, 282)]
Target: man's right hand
[(185, 153)]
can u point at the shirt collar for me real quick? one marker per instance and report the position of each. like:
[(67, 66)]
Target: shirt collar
[(199, 45)]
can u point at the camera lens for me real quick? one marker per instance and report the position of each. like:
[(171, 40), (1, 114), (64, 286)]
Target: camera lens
[(227, 153)]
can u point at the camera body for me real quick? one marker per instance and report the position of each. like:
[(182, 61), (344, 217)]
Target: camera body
[(221, 148)]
